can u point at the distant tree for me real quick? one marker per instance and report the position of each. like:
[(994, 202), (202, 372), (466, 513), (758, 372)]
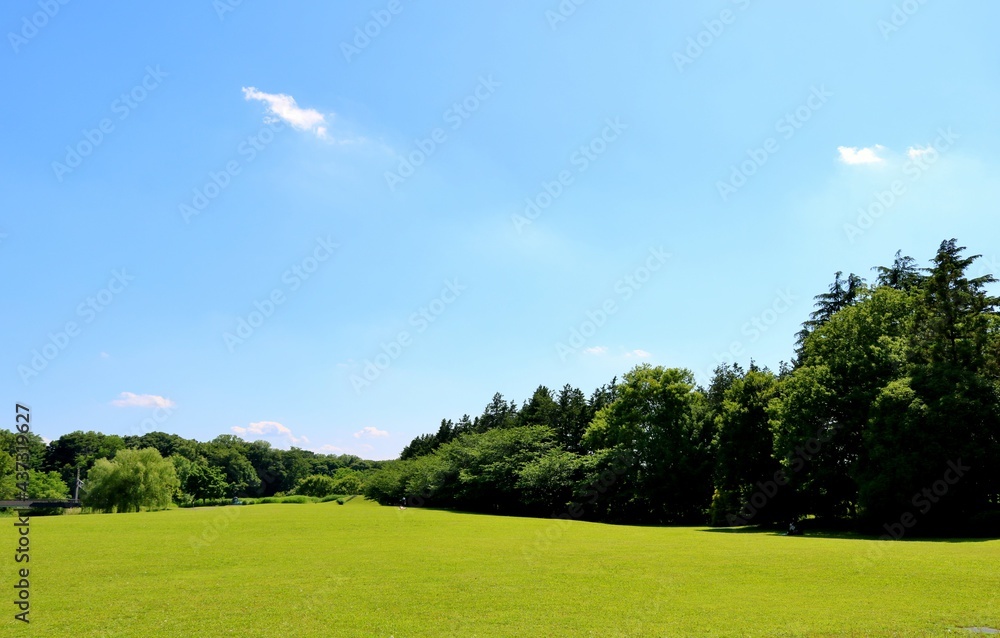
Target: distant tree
[(316, 485), (573, 415), (420, 445), (267, 463), (946, 411), (902, 275), (36, 447), (205, 482), (841, 294), (541, 409), (80, 450), (498, 414), (955, 313), (132, 480), (231, 460), (347, 481), (744, 446), (656, 424)]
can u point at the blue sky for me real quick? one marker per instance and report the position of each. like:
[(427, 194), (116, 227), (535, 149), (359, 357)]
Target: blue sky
[(465, 200)]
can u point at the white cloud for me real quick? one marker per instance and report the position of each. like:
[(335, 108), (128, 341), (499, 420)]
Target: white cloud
[(642, 354), (596, 350), (370, 431), (854, 155), (105, 355), (329, 449), (284, 107), (132, 400), (915, 151), (269, 429)]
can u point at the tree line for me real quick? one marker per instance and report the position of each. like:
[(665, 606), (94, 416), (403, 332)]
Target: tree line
[(887, 416), (153, 470)]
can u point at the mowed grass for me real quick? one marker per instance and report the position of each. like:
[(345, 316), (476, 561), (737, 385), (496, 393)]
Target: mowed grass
[(362, 570)]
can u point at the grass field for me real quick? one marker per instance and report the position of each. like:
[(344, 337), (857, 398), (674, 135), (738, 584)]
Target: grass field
[(358, 569)]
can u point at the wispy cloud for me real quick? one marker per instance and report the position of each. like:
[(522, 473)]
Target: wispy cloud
[(269, 429), (916, 151), (642, 354), (329, 449), (596, 350), (284, 107), (132, 400), (854, 155), (370, 431)]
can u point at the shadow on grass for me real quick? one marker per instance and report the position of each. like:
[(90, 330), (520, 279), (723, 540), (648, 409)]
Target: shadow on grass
[(846, 535)]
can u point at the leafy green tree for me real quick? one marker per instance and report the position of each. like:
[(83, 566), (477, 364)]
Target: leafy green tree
[(205, 482), (36, 447), (347, 481), (550, 481), (80, 450), (46, 485), (744, 446), (541, 409), (267, 463), (841, 294), (316, 485), (485, 466), (955, 313), (132, 480), (902, 275), (656, 421), (946, 411), (573, 415), (843, 366), (497, 414), (240, 475)]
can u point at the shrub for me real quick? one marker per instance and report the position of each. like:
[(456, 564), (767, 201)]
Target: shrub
[(316, 485)]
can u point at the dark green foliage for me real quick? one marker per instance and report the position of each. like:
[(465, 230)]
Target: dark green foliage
[(205, 482), (316, 485)]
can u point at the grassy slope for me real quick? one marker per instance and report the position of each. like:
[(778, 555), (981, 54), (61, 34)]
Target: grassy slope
[(364, 570)]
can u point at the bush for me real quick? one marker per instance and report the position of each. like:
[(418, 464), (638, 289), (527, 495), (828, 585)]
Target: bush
[(340, 501), (316, 485)]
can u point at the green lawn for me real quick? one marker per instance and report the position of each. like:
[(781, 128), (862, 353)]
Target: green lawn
[(362, 570)]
